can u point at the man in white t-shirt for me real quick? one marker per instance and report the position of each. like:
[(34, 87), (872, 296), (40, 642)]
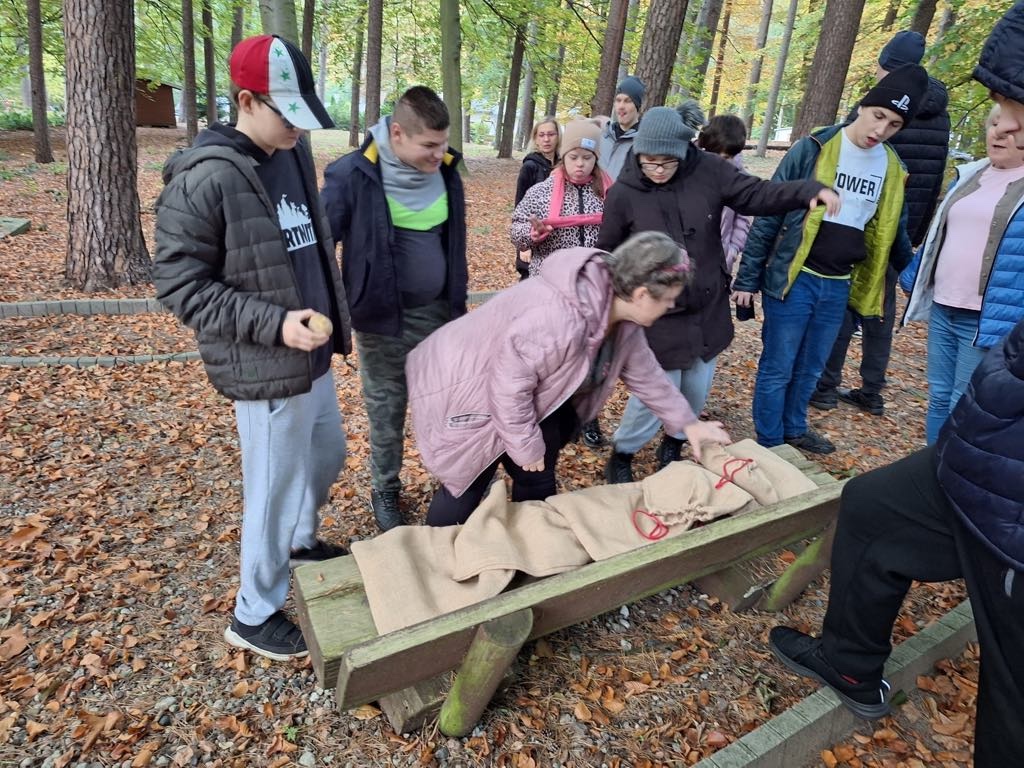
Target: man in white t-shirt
[(808, 267)]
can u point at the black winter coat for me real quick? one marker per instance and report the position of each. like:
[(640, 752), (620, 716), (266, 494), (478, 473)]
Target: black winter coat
[(221, 266), (980, 452), (360, 221), (536, 168), (689, 209)]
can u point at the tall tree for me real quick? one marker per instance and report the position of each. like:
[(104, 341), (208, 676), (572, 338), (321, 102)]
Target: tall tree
[(723, 37), (758, 63), (374, 45), (209, 65), (105, 243), (828, 69), (514, 75), (529, 108), (699, 55), (499, 122), (451, 69), (308, 13), (657, 49), (780, 70), (681, 69), (625, 60), (237, 30), (188, 91), (556, 82), (611, 50), (40, 126), (890, 15), (357, 77), (923, 15), (278, 18)]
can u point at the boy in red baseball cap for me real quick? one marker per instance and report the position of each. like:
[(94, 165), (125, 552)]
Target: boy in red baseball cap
[(244, 257)]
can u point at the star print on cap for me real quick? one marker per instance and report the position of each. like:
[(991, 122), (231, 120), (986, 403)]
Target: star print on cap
[(271, 66)]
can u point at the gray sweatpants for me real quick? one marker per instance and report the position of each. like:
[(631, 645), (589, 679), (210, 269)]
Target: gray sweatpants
[(292, 452), (382, 371)]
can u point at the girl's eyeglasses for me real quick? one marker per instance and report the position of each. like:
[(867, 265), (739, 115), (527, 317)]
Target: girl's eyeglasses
[(668, 165)]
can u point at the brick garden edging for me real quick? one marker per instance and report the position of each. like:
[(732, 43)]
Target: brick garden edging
[(797, 736)]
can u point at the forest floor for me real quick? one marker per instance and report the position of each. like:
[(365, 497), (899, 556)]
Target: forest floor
[(119, 523)]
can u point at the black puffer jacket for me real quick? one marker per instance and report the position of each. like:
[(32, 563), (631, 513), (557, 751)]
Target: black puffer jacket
[(1001, 64), (536, 168), (688, 208), (221, 266), (923, 145)]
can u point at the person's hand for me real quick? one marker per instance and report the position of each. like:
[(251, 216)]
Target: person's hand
[(537, 466), (705, 432), (829, 199), (297, 335), (539, 230), (743, 298)]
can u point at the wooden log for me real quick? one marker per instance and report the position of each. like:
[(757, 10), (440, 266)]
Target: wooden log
[(495, 646), (806, 568), (411, 707)]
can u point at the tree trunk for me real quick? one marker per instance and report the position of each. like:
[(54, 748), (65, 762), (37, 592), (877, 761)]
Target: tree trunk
[(321, 69), (501, 113), (106, 248), (188, 90), (611, 50), (657, 49), (948, 19), (700, 46), (278, 17), (451, 69), (40, 126), (923, 15), (514, 75), (828, 70), (237, 27), (723, 36), (780, 70), (556, 83), (209, 63), (755, 69), (625, 63), (681, 69), (308, 12), (529, 108), (467, 128), (890, 15), (374, 44), (357, 76)]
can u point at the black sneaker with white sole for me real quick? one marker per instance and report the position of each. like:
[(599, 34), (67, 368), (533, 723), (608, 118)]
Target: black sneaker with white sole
[(319, 552), (803, 654), (277, 638)]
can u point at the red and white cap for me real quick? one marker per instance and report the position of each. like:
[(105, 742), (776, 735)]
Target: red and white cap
[(269, 65)]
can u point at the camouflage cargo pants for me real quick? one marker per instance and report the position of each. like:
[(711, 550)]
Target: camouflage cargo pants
[(382, 373)]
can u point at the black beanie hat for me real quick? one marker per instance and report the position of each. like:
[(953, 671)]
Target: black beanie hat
[(906, 47), (632, 87), (901, 91)]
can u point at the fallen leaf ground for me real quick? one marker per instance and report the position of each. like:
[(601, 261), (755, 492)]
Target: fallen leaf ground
[(119, 517)]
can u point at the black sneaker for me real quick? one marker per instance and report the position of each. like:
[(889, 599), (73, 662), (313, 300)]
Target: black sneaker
[(671, 449), (591, 434), (276, 638), (386, 509), (825, 401), (317, 553), (803, 654), (871, 403), (619, 468), (811, 442)]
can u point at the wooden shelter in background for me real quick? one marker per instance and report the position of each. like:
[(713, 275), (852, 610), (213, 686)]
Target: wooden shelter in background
[(154, 104)]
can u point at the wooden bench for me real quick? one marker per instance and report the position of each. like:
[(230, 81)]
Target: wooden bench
[(402, 669)]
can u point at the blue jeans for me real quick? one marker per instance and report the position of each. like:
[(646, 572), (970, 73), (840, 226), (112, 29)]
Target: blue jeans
[(952, 358), (639, 425), (797, 337)]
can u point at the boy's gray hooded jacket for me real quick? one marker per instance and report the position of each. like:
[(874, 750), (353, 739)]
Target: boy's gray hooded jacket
[(222, 267)]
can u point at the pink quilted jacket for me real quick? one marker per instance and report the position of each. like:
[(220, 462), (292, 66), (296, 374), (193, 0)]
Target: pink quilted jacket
[(480, 385)]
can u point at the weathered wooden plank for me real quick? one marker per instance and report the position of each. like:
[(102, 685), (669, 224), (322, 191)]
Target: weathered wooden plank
[(13, 226), (808, 566), (411, 707), (398, 659)]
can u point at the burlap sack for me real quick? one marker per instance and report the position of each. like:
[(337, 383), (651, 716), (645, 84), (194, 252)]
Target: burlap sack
[(767, 477)]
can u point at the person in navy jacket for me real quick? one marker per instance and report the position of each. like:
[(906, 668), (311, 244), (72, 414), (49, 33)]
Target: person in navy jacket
[(952, 510)]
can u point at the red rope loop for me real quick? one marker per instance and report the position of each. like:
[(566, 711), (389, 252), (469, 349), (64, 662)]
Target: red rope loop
[(659, 531), (730, 477)]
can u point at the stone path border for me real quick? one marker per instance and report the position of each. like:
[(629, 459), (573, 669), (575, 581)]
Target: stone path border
[(797, 736), (87, 307)]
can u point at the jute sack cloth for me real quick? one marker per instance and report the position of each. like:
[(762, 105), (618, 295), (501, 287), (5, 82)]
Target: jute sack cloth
[(414, 573)]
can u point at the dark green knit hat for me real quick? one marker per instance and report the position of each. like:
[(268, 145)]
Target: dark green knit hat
[(662, 132)]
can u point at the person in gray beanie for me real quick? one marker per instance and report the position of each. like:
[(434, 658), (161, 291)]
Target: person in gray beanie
[(617, 137), (669, 185)]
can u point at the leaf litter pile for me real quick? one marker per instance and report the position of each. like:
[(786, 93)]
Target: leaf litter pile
[(120, 504)]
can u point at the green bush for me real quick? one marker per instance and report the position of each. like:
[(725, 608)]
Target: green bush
[(21, 120)]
